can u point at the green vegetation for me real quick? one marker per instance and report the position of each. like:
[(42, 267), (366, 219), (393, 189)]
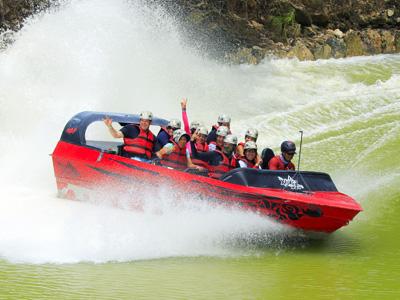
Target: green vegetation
[(280, 24)]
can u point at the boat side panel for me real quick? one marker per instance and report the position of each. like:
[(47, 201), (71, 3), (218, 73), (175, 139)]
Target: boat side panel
[(86, 168)]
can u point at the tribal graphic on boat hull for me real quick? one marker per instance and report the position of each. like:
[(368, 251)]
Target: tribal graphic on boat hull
[(284, 211)]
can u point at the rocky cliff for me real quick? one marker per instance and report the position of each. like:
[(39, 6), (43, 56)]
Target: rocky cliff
[(248, 30), (13, 12), (245, 31)]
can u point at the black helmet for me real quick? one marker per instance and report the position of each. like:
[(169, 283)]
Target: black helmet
[(288, 147)]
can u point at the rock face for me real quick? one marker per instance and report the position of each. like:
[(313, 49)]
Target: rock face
[(245, 31), (306, 29), (13, 12)]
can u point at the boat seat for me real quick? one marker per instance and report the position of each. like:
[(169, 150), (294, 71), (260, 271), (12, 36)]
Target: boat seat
[(266, 155)]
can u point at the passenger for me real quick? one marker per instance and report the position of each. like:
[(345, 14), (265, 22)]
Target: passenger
[(166, 133), (201, 146), (194, 125), (201, 140), (173, 154), (218, 144), (218, 161), (283, 161), (250, 156), (250, 135), (223, 120), (139, 141)]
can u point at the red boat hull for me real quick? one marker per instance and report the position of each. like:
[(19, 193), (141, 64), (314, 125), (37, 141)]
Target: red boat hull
[(80, 167)]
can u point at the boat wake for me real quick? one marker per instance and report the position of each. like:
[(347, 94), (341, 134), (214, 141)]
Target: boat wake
[(43, 229)]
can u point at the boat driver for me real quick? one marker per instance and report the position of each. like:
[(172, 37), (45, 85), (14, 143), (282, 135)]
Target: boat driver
[(283, 161), (139, 141)]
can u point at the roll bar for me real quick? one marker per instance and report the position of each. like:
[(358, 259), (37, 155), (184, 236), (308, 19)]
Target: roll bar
[(75, 129)]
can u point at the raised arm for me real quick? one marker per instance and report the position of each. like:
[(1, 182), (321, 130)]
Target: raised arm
[(184, 116), (116, 134)]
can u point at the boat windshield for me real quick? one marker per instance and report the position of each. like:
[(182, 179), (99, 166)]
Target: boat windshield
[(288, 180), (75, 130)]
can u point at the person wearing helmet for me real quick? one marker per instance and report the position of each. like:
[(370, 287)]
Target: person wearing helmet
[(283, 161), (249, 160), (194, 125), (173, 154), (223, 120), (250, 135), (218, 161), (201, 146), (139, 141), (201, 140), (218, 144), (166, 133)]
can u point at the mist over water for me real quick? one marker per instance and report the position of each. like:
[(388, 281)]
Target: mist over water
[(123, 57)]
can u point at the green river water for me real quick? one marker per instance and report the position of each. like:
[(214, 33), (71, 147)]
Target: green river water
[(116, 59)]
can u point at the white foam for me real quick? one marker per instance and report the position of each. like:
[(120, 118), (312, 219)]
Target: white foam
[(38, 228)]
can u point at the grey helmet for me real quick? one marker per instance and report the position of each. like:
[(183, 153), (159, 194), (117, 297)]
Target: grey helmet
[(250, 145), (222, 131), (252, 132), (179, 133), (146, 115), (194, 125), (288, 147), (231, 139), (174, 124), (223, 118), (202, 130)]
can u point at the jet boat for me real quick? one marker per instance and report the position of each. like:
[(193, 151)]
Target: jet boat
[(304, 200)]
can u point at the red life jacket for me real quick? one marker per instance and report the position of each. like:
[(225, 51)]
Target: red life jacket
[(276, 163), (176, 159), (199, 162), (250, 164), (199, 147), (225, 166), (142, 145), (202, 147)]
